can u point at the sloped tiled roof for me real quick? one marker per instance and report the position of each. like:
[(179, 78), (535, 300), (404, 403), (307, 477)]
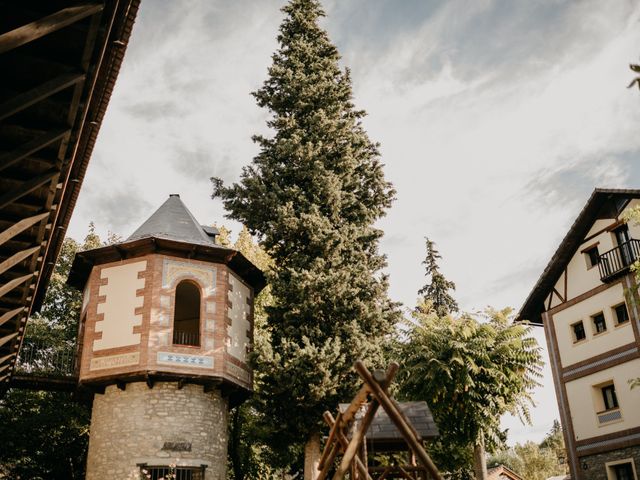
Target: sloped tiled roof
[(383, 432), (173, 221), (603, 203)]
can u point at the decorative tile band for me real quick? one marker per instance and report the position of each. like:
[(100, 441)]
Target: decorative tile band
[(183, 359), (115, 361)]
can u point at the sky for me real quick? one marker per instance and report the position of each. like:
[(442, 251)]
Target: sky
[(496, 121)]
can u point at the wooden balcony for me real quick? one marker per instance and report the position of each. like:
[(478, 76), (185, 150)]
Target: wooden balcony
[(618, 260)]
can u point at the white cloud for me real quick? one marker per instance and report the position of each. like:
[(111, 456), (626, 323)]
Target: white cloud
[(496, 121)]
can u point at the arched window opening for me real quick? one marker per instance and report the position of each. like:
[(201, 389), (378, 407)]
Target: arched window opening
[(186, 315)]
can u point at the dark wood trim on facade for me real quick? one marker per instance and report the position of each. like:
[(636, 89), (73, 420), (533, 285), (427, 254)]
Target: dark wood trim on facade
[(561, 393), (567, 377), (609, 438), (582, 297)]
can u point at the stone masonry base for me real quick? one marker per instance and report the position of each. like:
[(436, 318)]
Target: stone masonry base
[(157, 426), (596, 464)]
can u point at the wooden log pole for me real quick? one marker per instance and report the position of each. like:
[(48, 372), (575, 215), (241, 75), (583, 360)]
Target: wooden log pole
[(398, 418)]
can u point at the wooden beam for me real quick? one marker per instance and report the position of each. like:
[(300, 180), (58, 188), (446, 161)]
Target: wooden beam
[(7, 287), (44, 26), (7, 338), (17, 258), (27, 187), (21, 226), (3, 368), (8, 316), (9, 158), (24, 100), (343, 442), (6, 357)]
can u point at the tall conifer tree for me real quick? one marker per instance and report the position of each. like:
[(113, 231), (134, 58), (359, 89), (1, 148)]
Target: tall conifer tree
[(312, 195), (437, 290)]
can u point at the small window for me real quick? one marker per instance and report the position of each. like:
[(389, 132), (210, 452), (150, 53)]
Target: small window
[(186, 316), (578, 332), (609, 397), (621, 313), (592, 256), (171, 472), (599, 323), (622, 471)]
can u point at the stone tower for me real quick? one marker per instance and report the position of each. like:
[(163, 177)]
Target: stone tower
[(165, 327)]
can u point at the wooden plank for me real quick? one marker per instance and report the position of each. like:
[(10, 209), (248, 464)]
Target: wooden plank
[(27, 187), (17, 258), (44, 26), (8, 316), (21, 226), (24, 100), (7, 287), (7, 338), (9, 158)]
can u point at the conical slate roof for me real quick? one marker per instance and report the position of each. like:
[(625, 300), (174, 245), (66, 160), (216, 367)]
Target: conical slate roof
[(174, 221)]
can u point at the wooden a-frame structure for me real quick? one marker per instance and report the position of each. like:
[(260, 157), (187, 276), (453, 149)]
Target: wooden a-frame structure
[(372, 395)]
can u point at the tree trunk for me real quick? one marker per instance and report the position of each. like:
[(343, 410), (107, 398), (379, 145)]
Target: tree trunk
[(480, 460), (312, 457)]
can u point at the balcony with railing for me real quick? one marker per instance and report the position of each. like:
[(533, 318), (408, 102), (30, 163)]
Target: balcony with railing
[(45, 367), (191, 339), (618, 260)]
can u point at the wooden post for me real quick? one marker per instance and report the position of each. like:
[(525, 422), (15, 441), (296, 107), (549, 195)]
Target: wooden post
[(398, 418)]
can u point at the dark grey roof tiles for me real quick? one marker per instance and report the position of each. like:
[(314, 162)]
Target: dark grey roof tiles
[(174, 221), (383, 430)]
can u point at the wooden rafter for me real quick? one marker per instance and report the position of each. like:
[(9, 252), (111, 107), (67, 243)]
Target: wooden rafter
[(44, 26), (17, 258), (7, 338), (7, 287), (27, 187), (21, 226), (9, 315), (23, 151), (24, 100)]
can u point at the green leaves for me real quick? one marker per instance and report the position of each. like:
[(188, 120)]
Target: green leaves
[(470, 372), (312, 195)]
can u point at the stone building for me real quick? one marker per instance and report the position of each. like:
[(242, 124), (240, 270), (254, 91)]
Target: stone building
[(587, 299), (165, 329)]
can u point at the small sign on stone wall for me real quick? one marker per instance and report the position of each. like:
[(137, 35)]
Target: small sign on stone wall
[(177, 446)]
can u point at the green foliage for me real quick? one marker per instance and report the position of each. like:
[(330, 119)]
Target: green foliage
[(636, 81), (470, 373), (312, 195), (437, 290), (45, 434), (533, 461)]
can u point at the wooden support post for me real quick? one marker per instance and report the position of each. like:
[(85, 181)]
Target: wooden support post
[(358, 435), (398, 419), (344, 443)]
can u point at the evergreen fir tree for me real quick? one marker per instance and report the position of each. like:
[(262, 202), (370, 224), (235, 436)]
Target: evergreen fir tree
[(312, 195), (437, 290)]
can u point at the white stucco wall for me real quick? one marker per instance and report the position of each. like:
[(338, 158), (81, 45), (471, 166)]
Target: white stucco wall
[(239, 313), (593, 345), (584, 400), (118, 309)]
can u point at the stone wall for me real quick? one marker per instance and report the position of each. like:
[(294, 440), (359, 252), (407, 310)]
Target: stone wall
[(157, 426), (596, 469)]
